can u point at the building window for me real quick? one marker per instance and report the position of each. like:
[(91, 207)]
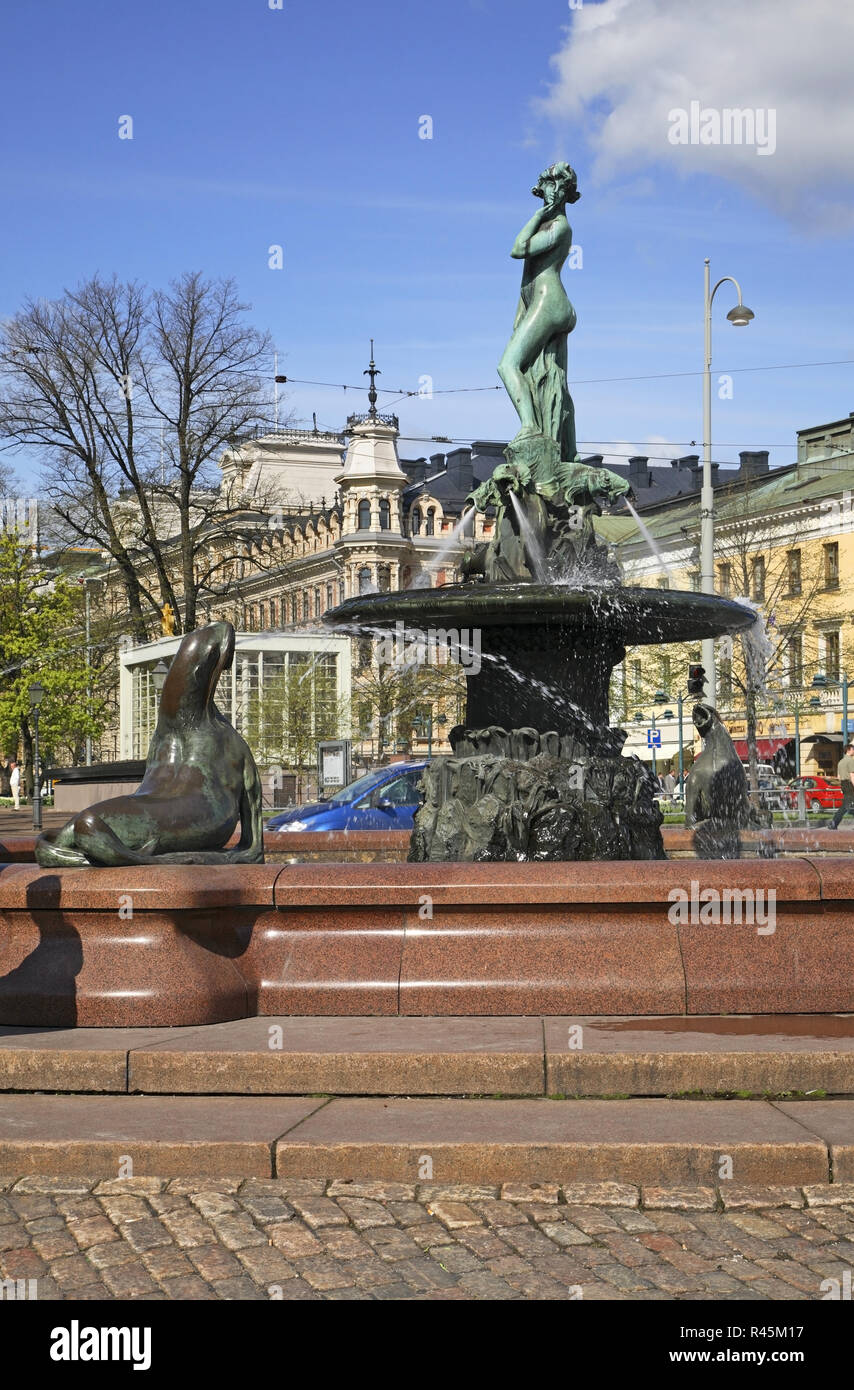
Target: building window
[(273, 612), (366, 580), (664, 583), (793, 559), (796, 657), (383, 578), (317, 608), (385, 514), (430, 523), (725, 579), (831, 565), (831, 656), (364, 715), (364, 515), (340, 590), (363, 653), (262, 616), (306, 604), (415, 525), (330, 596), (695, 581), (757, 578), (250, 617)]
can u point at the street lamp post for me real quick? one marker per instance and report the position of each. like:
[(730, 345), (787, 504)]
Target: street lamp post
[(158, 677), (659, 698), (681, 743), (36, 694), (739, 316)]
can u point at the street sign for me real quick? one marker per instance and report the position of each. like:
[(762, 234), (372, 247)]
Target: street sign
[(653, 738), (333, 758)]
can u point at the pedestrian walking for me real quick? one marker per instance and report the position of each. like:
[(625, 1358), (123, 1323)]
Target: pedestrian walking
[(15, 784), (845, 773)]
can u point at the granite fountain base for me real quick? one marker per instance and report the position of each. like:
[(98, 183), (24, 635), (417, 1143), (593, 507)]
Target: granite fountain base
[(179, 946)]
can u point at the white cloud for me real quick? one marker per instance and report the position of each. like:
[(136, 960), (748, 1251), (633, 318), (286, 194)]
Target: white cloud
[(627, 65)]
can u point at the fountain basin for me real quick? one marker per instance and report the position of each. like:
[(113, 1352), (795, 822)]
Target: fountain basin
[(545, 652), (639, 617)]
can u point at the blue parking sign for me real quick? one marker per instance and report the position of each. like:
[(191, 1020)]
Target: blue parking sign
[(653, 738)]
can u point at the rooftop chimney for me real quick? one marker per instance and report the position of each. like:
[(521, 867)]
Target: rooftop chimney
[(460, 469), (639, 475), (753, 462)]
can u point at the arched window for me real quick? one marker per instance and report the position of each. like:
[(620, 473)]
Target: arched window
[(364, 515), (416, 521), (366, 581), (385, 514), (430, 525), (383, 578)]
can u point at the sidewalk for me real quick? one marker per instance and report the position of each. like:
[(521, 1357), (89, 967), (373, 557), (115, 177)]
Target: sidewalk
[(185, 1238)]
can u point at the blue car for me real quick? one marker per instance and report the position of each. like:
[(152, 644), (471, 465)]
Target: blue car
[(386, 799)]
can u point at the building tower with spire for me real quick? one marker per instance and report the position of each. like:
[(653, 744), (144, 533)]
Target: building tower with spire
[(372, 546)]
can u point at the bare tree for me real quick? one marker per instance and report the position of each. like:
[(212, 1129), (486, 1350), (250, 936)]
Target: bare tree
[(132, 396)]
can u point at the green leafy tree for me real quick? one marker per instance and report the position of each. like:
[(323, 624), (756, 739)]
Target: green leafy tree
[(41, 639)]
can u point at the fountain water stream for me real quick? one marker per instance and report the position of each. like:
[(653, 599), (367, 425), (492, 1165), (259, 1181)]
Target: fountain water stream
[(647, 535)]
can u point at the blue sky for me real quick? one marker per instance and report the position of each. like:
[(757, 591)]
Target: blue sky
[(299, 127)]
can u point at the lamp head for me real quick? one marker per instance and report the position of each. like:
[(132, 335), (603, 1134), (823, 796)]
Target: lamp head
[(740, 315)]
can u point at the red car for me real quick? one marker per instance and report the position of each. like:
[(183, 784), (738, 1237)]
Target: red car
[(820, 793)]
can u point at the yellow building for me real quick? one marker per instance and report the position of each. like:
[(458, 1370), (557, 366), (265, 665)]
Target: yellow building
[(784, 540)]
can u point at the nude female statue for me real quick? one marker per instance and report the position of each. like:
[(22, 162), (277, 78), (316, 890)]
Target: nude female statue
[(533, 367)]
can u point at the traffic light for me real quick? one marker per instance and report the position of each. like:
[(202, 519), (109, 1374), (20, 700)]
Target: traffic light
[(696, 681)]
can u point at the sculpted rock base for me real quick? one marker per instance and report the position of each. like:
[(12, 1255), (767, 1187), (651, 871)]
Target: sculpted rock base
[(520, 795)]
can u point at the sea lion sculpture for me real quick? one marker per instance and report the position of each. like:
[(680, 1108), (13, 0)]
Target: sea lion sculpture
[(717, 804), (200, 779)]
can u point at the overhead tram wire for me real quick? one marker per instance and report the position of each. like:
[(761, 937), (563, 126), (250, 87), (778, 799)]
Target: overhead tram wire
[(404, 393)]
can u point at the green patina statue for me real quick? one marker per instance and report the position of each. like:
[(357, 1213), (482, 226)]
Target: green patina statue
[(200, 781), (544, 497)]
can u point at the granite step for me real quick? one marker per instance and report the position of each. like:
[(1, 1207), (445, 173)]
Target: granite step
[(754, 1055), (438, 1140)]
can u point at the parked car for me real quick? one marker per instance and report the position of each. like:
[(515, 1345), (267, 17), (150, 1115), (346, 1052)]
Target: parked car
[(772, 787), (385, 799), (820, 793)]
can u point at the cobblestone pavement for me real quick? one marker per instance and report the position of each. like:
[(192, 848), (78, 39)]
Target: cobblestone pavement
[(182, 1238)]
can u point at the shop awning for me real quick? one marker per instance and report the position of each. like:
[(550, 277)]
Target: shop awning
[(834, 739), (765, 747)]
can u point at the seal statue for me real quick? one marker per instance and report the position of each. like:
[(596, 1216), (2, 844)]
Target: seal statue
[(717, 804), (200, 780)]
